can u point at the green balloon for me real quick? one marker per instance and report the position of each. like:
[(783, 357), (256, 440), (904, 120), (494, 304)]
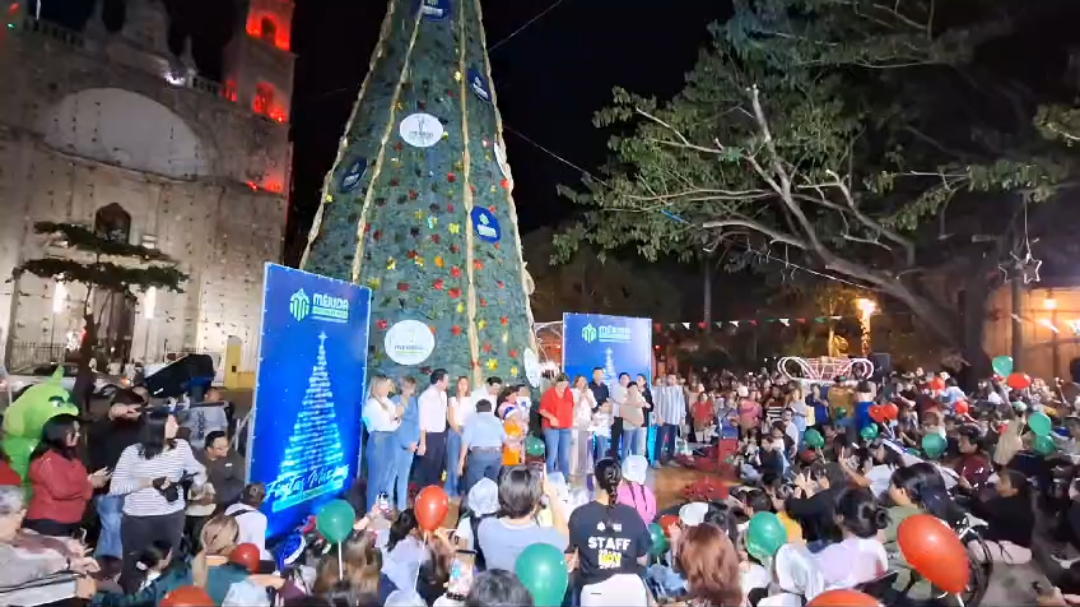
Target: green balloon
[(765, 536), (913, 451), (542, 569), (841, 413), (869, 432), (659, 540), (933, 445), (1044, 445), (1040, 424), (534, 447), (335, 521), (1003, 365), (814, 439)]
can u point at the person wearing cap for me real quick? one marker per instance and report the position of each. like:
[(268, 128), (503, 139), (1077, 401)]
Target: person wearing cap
[(633, 492), (481, 502)]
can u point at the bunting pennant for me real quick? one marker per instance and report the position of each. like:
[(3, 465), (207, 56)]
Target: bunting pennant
[(720, 324)]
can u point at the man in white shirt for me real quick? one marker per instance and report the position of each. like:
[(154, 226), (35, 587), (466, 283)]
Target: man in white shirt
[(618, 397), (489, 392), (670, 410), (432, 450)]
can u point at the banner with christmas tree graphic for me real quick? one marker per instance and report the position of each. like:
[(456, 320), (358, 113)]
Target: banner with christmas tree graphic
[(309, 390), (616, 344)]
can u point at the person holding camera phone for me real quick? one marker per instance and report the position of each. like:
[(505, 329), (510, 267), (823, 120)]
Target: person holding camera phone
[(148, 475)]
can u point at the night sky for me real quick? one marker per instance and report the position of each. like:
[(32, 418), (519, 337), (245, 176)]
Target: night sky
[(550, 75), (550, 78)]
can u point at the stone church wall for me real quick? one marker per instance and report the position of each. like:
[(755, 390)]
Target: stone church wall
[(202, 179)]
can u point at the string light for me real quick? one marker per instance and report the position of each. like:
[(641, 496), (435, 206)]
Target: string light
[(540, 15)]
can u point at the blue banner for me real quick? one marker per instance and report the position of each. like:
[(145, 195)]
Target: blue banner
[(309, 391), (616, 344)]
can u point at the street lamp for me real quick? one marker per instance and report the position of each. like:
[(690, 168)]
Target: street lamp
[(866, 308), (149, 303), (59, 304)]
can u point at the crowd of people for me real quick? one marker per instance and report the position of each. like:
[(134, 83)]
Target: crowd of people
[(148, 504)]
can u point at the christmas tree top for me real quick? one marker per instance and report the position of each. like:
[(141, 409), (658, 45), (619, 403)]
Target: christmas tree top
[(418, 205)]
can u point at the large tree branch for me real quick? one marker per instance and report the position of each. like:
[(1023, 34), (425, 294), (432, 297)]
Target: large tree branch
[(783, 188), (871, 224), (774, 236)]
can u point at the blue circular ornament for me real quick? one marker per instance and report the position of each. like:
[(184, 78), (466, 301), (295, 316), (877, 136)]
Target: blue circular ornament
[(353, 175), (486, 225)]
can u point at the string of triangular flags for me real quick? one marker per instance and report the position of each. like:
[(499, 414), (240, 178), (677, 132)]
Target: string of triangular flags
[(753, 322)]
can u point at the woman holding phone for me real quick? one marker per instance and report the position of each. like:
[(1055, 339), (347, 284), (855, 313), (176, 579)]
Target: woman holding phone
[(148, 475), (61, 486)]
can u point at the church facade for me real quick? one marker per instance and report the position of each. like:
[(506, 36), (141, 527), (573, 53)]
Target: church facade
[(113, 131)]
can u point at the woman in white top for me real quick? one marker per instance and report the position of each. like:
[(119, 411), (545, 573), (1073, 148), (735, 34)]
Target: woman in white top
[(148, 475), (584, 404), (459, 408), (381, 418)]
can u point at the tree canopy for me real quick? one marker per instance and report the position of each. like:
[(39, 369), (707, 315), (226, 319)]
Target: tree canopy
[(826, 133), (101, 264), (585, 282)]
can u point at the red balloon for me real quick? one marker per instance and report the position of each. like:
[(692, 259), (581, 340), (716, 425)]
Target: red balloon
[(935, 551), (891, 411), (962, 408), (188, 596), (877, 413), (247, 556), (431, 507), (937, 384), (1018, 381), (667, 522), (844, 598)]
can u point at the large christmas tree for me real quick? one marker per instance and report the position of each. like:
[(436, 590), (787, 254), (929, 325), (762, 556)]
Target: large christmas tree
[(418, 205)]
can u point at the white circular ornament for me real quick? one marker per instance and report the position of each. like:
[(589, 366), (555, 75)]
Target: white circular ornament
[(409, 342), (532, 367), (421, 130), (500, 158)]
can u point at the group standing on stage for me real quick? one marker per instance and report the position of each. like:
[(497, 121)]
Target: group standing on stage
[(457, 434)]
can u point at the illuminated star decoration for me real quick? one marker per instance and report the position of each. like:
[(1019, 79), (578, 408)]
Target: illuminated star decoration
[(1027, 267)]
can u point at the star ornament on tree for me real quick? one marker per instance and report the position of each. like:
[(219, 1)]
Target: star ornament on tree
[(1029, 269), (1026, 267)]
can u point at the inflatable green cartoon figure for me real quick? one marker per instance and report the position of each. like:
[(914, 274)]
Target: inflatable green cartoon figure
[(26, 417)]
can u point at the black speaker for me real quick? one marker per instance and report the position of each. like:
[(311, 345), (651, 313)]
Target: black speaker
[(194, 371), (882, 364)]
